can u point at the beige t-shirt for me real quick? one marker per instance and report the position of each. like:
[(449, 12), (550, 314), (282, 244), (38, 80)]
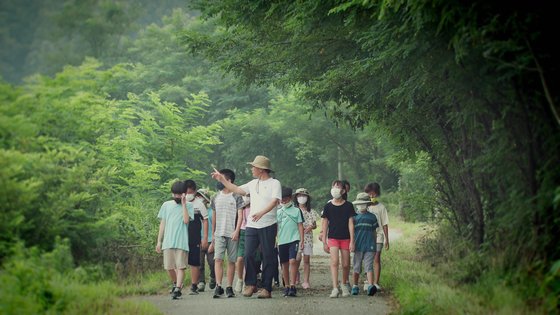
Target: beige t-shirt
[(382, 219)]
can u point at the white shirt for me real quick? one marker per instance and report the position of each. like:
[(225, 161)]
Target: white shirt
[(199, 207), (226, 206), (262, 193), (382, 219)]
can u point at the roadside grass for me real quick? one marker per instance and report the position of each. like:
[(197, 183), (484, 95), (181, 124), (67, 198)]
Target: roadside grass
[(420, 288)]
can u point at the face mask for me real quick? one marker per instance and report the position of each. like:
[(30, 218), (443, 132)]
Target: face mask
[(302, 200), (190, 197), (361, 208), (374, 199), (336, 193), (220, 186), (177, 200)]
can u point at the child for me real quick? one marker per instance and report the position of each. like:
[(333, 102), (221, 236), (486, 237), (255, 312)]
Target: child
[(303, 200), (203, 195), (173, 238), (377, 208), (196, 242), (365, 224), (242, 215), (338, 235), (226, 229), (290, 239)]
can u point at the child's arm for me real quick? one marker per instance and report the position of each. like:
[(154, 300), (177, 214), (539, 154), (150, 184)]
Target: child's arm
[(325, 226), (351, 229), (186, 217), (213, 231), (300, 228), (160, 236), (386, 232), (235, 234), (204, 241)]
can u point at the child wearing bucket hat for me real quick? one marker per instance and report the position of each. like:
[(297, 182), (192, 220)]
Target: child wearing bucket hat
[(205, 254), (377, 208), (302, 199), (365, 225)]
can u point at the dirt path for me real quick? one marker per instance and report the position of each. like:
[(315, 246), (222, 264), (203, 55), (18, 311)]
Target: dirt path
[(312, 301)]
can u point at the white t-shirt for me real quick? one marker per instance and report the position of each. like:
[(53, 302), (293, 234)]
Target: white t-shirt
[(262, 192), (226, 206), (199, 207), (381, 213)]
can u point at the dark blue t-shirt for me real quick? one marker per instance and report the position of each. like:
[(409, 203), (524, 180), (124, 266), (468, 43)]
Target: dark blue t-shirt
[(364, 232)]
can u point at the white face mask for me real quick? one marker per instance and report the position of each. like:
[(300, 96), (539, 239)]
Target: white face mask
[(302, 200), (190, 197), (336, 193)]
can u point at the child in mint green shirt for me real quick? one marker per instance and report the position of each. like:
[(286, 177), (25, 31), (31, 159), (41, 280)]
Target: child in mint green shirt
[(290, 239)]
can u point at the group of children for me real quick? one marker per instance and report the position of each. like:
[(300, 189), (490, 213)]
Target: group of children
[(194, 227)]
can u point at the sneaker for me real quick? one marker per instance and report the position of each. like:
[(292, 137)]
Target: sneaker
[(334, 293), (218, 291), (345, 290), (277, 284), (371, 290), (194, 290), (355, 290), (201, 286), (305, 285), (229, 292), (378, 287), (264, 294), (173, 288), (212, 283), (249, 290), (239, 285), (176, 293), (286, 291), (292, 291), (366, 286)]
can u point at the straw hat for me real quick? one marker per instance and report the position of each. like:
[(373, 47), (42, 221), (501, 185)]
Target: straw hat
[(302, 191), (261, 161), (362, 199), (204, 193)]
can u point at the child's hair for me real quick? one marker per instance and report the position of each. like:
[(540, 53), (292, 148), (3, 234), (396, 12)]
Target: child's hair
[(373, 187), (346, 189), (189, 183), (178, 187), (228, 174)]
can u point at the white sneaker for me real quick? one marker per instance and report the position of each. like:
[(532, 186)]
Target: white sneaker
[(334, 293), (378, 287), (239, 285), (345, 290), (366, 285)]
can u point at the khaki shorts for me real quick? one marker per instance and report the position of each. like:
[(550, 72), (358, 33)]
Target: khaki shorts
[(221, 244), (174, 258)]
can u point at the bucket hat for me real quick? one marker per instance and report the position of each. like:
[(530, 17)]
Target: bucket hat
[(261, 161), (362, 199)]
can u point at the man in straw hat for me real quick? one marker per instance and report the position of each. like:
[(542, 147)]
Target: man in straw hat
[(265, 194)]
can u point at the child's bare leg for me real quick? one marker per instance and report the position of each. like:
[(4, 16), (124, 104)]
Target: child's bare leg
[(370, 277), (172, 275), (293, 271), (230, 273), (195, 273), (345, 257), (219, 271), (306, 268), (356, 278), (334, 266), (239, 265), (377, 267), (286, 273), (180, 277)]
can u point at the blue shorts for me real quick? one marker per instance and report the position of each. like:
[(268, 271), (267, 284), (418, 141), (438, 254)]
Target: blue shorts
[(288, 251)]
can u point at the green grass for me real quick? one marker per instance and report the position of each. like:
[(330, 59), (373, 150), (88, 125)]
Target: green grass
[(419, 288)]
